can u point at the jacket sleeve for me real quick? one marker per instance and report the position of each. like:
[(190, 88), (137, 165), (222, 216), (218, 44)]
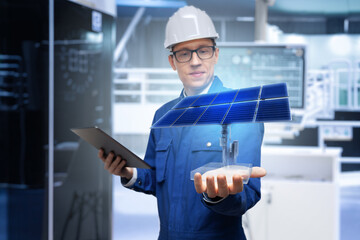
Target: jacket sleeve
[(146, 178), (238, 204)]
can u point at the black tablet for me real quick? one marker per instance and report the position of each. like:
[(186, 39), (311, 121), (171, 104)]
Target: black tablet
[(99, 139)]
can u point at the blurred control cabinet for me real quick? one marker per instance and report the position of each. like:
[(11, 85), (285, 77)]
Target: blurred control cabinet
[(83, 48), (300, 195)]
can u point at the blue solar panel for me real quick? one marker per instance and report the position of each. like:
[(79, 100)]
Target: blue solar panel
[(225, 97), (273, 110), (186, 102), (204, 100), (169, 118), (274, 91), (213, 114), (241, 112), (190, 116), (248, 94), (236, 106)]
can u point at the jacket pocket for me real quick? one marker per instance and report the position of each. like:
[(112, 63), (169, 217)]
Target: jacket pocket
[(162, 155), (205, 151)]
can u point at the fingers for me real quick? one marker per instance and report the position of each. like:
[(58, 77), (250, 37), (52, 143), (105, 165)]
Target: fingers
[(237, 185), (223, 189), (219, 188), (119, 168), (108, 160), (210, 186), (117, 165), (101, 154), (257, 172), (114, 165), (199, 186)]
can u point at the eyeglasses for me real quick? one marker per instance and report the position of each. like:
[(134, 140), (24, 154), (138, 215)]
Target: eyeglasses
[(203, 53)]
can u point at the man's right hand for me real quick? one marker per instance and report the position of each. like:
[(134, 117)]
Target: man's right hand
[(116, 165)]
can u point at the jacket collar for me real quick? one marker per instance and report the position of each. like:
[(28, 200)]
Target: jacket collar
[(216, 86)]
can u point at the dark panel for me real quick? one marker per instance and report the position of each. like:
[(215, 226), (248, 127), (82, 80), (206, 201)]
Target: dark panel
[(307, 137), (348, 167), (23, 118), (23, 92), (335, 25), (299, 26), (354, 26), (350, 148)]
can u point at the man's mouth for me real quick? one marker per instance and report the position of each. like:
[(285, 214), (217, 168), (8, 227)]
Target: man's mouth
[(196, 74)]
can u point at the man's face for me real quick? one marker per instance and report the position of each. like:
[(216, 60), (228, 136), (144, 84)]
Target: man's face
[(196, 74)]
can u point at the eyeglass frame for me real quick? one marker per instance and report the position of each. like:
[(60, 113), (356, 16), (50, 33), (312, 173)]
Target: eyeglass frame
[(196, 51)]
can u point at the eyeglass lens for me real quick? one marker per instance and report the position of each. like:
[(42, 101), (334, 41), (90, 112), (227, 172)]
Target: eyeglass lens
[(186, 55)]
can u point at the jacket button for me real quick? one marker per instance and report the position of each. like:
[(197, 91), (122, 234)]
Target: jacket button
[(208, 144), (139, 182)]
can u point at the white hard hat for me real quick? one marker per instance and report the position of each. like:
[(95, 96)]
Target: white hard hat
[(188, 23)]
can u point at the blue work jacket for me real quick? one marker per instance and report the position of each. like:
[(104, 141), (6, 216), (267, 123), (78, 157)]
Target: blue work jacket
[(173, 153)]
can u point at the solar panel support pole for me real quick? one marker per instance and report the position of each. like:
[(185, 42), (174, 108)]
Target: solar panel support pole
[(224, 144), (229, 154)]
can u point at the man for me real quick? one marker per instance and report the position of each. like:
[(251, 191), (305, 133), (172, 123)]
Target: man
[(208, 210)]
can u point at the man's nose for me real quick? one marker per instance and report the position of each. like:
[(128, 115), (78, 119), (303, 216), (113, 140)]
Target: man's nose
[(195, 60)]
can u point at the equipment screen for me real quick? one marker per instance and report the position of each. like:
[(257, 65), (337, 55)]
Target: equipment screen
[(246, 65)]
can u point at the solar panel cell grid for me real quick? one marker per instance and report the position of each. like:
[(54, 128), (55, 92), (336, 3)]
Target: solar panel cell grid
[(225, 97), (169, 118), (213, 115), (190, 116), (274, 91), (204, 100), (241, 112), (273, 110), (248, 94), (186, 102)]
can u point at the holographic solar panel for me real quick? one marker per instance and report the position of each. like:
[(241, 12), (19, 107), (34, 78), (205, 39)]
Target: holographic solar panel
[(266, 103)]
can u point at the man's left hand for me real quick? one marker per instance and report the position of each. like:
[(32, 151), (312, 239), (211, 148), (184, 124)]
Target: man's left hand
[(222, 188)]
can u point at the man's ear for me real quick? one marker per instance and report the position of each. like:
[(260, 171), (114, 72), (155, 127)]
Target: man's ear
[(216, 55), (171, 61)]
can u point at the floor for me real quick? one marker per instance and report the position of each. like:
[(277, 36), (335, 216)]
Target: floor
[(350, 212), (135, 214)]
